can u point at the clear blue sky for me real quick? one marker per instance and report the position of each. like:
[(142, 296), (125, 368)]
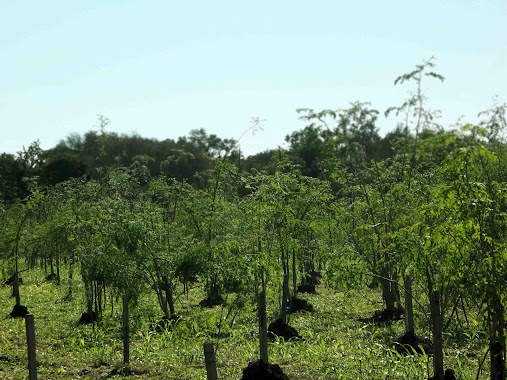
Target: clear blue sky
[(162, 68)]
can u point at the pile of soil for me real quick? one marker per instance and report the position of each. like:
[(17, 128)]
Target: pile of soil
[(51, 277), (448, 375), (307, 288), (10, 281), (87, 318), (263, 371), (165, 324), (121, 371), (297, 304), (211, 302), (313, 278), (282, 330), (19, 311), (410, 343), (385, 315)]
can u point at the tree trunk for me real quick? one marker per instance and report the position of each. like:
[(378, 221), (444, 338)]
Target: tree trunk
[(387, 293), (294, 274), (285, 296), (15, 287), (58, 269), (409, 310), (15, 283), (169, 296)]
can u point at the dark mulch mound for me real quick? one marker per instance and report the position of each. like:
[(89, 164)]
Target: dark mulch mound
[(121, 371), (381, 316), (10, 281), (307, 288), (313, 278), (411, 343), (87, 318), (297, 304), (448, 375), (18, 311), (261, 371), (211, 302), (282, 330), (165, 324), (51, 277)]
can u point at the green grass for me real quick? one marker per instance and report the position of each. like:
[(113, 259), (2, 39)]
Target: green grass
[(335, 346)]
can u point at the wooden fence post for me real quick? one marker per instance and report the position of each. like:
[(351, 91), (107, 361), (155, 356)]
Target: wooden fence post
[(263, 323), (30, 341), (436, 319), (211, 362), (126, 346)]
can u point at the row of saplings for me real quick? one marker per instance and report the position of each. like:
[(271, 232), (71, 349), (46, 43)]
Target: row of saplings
[(278, 329)]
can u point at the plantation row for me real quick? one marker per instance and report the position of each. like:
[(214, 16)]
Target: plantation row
[(428, 226)]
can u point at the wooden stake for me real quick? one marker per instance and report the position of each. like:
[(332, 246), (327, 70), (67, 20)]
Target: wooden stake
[(126, 346), (263, 323), (436, 320), (211, 362), (30, 341)]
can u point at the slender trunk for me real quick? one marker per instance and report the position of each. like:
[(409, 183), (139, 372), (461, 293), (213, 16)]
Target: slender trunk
[(294, 275), (71, 266), (162, 300), (375, 280), (104, 291), (89, 306), (95, 297), (58, 270), (409, 310), (395, 289), (387, 292), (15, 282), (169, 296), (98, 299), (15, 286), (285, 296), (71, 273)]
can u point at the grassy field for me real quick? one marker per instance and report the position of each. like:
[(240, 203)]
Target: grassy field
[(335, 345)]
